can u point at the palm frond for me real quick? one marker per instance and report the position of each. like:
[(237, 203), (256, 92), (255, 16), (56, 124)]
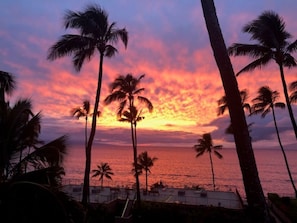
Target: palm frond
[(289, 61), (256, 64), (51, 153), (292, 47), (147, 102), (280, 105), (7, 82), (110, 51), (115, 96), (220, 156)]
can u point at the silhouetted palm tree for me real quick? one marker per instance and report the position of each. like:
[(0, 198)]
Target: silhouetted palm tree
[(146, 162), (95, 33), (250, 176), (263, 104), (223, 105), (293, 89), (125, 90), (7, 84), (31, 169), (205, 145), (19, 133), (102, 171), (84, 111), (273, 44)]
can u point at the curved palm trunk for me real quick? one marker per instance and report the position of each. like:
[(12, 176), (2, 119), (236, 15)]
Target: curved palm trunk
[(283, 151), (287, 99), (212, 171), (86, 187), (253, 188)]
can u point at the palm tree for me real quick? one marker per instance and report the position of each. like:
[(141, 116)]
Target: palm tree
[(125, 90), (146, 162), (84, 111), (26, 174), (273, 44), (293, 89), (253, 188), (7, 84), (102, 171), (222, 103), (263, 104), (205, 145), (95, 34)]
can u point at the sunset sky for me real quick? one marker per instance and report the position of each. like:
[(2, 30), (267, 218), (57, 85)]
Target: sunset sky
[(168, 43)]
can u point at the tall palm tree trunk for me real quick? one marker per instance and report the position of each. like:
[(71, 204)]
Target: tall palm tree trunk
[(86, 132), (212, 171), (86, 187), (288, 99), (283, 151), (135, 163), (253, 188), (146, 183)]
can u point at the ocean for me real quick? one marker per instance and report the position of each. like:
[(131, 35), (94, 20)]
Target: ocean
[(179, 167)]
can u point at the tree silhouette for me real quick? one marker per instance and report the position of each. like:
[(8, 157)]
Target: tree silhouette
[(84, 111), (263, 104), (125, 91), (223, 106), (146, 162), (293, 90), (253, 188), (7, 84), (103, 170), (273, 44), (95, 34), (205, 145)]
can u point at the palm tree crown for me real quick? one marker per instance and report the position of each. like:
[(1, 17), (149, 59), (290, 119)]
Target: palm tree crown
[(268, 30), (205, 145), (95, 33), (7, 84), (266, 101), (102, 171), (146, 162), (124, 89)]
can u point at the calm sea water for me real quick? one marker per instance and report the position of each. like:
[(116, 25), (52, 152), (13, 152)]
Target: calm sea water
[(179, 167)]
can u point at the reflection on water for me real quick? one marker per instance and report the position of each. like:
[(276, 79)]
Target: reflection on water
[(179, 167)]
